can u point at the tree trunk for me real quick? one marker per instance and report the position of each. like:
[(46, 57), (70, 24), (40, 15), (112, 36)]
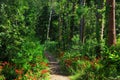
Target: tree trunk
[(60, 31), (111, 22), (82, 23), (48, 29), (100, 17), (100, 20), (49, 23)]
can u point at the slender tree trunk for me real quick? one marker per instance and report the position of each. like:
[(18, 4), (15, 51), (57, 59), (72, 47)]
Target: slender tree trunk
[(100, 17), (60, 31), (82, 23), (111, 22), (102, 30), (49, 23), (48, 29), (100, 20)]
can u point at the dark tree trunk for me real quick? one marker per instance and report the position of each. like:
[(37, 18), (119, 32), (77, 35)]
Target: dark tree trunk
[(111, 22), (82, 23)]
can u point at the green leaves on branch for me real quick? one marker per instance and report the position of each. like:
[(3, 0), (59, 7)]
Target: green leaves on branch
[(82, 10)]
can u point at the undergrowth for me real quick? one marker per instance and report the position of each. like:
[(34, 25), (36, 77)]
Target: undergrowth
[(28, 64)]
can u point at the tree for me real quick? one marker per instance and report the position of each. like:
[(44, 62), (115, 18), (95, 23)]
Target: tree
[(111, 22), (100, 19), (82, 23), (50, 16)]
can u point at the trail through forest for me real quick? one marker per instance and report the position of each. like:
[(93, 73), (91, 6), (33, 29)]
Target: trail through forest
[(56, 72)]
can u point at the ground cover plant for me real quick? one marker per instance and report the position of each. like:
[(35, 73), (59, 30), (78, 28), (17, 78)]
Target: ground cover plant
[(28, 64)]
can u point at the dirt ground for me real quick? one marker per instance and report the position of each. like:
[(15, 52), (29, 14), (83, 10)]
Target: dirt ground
[(56, 72), (58, 77)]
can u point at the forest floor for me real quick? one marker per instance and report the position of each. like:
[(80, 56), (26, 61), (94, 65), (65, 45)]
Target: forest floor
[(56, 72)]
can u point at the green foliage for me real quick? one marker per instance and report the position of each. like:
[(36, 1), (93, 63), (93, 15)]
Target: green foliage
[(82, 10), (17, 22), (41, 27), (50, 46), (28, 54), (30, 58), (117, 15), (89, 64), (86, 49), (21, 52), (12, 28), (19, 48), (9, 72)]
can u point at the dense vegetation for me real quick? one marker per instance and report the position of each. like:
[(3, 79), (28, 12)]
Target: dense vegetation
[(83, 34)]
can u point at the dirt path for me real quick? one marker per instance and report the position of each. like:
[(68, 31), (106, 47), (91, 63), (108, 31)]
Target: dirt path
[(56, 72)]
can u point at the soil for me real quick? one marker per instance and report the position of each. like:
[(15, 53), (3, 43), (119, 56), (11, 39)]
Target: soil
[(56, 71)]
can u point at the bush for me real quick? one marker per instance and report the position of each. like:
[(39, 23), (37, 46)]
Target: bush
[(29, 59), (50, 46), (14, 26), (84, 63)]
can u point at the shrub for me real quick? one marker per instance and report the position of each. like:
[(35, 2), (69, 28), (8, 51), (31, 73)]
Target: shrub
[(50, 46), (29, 59)]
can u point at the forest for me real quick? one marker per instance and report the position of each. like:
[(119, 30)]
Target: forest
[(81, 37)]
